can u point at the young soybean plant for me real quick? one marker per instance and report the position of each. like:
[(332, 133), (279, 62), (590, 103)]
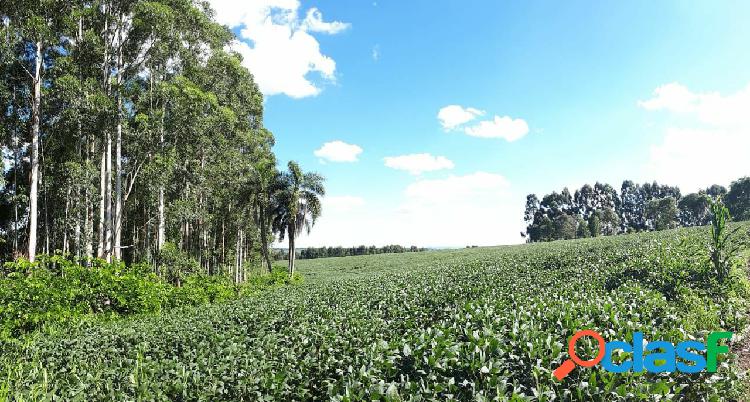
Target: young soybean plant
[(722, 249)]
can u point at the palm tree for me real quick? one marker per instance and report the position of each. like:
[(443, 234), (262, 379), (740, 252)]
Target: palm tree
[(265, 184), (297, 205)]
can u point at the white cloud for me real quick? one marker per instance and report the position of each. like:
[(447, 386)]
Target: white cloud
[(473, 209), (455, 117), (418, 163), (338, 151), (454, 189), (452, 116), (708, 145), (500, 127), (314, 23), (672, 96), (342, 203), (277, 46), (376, 52)]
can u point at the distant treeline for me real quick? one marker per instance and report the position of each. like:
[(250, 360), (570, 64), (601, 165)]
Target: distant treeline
[(600, 210), (323, 252)]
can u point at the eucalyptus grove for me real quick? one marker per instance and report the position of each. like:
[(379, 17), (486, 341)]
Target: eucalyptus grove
[(600, 210), (127, 125)]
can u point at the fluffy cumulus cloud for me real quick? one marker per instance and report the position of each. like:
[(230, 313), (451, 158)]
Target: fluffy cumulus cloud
[(479, 208), (671, 96), (277, 45), (417, 164), (500, 127), (473, 209), (708, 141), (480, 186), (455, 118), (338, 151)]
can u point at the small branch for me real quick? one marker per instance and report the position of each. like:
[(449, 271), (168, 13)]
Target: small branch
[(132, 181)]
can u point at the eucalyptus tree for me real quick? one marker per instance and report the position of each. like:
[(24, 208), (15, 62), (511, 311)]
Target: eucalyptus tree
[(694, 209), (135, 108), (738, 199), (298, 205), (34, 32), (662, 213)]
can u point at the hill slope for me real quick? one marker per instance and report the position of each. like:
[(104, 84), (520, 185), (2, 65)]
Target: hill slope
[(464, 324)]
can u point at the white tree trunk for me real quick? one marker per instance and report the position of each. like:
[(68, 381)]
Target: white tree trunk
[(108, 200), (102, 208), (103, 171), (65, 248), (118, 164), (161, 233), (33, 191), (88, 225)]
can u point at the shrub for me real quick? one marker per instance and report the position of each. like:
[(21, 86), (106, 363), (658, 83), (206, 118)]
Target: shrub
[(175, 264), (57, 290)]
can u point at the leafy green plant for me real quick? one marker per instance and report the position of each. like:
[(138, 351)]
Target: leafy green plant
[(56, 290), (174, 264), (475, 324), (721, 248)]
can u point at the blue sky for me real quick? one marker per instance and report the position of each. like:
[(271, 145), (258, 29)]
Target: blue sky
[(560, 95)]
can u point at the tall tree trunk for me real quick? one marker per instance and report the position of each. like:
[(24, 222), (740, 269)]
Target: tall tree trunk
[(264, 237), (102, 206), (88, 225), (46, 205), (237, 258), (65, 221), (290, 231), (108, 200), (16, 160), (77, 231), (118, 162), (103, 171), (33, 192), (162, 230), (241, 267)]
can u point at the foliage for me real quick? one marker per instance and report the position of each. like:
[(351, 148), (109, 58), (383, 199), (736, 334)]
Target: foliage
[(54, 289), (175, 264), (298, 205), (469, 324), (324, 252), (722, 249), (152, 132), (694, 210), (662, 213), (738, 199), (650, 206)]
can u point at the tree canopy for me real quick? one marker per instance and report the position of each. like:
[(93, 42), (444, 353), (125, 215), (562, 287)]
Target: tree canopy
[(599, 210), (130, 131)]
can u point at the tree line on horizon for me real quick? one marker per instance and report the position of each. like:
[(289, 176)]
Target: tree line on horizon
[(131, 133), (308, 253), (600, 210)]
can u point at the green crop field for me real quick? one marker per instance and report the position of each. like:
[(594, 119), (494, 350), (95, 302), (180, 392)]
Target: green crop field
[(475, 324)]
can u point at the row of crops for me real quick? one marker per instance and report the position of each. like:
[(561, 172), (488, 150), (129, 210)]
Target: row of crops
[(483, 324)]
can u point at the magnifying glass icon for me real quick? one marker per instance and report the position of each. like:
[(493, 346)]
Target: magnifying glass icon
[(570, 364)]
